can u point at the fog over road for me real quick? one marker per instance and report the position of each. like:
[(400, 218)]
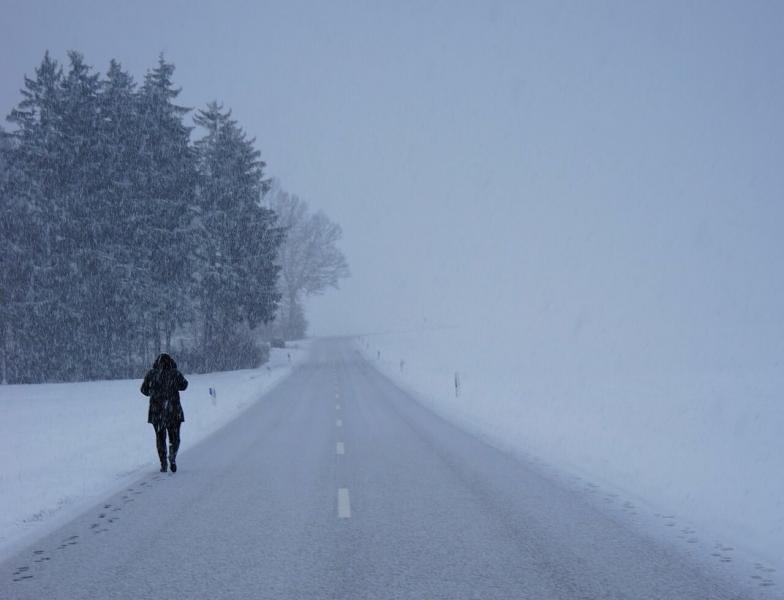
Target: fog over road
[(337, 484)]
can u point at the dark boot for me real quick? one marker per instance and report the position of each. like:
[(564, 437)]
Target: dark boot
[(160, 443), (174, 445)]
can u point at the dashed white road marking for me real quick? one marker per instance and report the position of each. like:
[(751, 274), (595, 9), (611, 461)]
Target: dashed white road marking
[(339, 423), (341, 449), (344, 504), (337, 407)]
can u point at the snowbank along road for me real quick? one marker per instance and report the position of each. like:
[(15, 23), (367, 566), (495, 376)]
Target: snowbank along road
[(338, 485)]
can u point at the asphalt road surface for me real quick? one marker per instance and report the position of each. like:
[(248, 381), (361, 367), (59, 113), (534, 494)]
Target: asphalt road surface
[(339, 485)]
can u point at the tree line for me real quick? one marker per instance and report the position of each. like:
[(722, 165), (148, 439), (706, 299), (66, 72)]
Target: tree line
[(122, 236)]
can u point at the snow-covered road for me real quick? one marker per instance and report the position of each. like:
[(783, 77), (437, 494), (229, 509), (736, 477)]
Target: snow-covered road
[(339, 485)]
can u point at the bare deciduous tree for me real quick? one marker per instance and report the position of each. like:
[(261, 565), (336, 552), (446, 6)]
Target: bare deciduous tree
[(309, 258)]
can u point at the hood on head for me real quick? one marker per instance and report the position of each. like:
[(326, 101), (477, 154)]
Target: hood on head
[(164, 361)]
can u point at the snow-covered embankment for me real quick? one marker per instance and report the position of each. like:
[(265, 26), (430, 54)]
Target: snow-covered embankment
[(704, 448), (64, 446)]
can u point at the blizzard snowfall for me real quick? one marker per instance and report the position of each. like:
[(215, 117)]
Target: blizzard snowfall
[(701, 451), (65, 446)]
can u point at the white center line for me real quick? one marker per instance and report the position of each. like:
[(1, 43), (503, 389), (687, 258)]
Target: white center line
[(339, 423), (341, 449), (337, 407), (344, 505)]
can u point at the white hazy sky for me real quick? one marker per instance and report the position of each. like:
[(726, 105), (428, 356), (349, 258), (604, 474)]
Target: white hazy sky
[(603, 175)]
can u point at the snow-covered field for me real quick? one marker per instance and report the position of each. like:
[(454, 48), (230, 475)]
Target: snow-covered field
[(64, 446), (702, 449)]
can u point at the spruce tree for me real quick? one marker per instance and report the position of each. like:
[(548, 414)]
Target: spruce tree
[(118, 147), (33, 197), (239, 239), (85, 283), (166, 186)]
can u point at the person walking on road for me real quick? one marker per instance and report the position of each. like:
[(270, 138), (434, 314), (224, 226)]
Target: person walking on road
[(163, 384)]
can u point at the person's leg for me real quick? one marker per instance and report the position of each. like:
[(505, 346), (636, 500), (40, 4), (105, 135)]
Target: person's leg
[(174, 444), (160, 442)]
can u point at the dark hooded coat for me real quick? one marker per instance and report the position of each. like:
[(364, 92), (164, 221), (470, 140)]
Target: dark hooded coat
[(163, 384)]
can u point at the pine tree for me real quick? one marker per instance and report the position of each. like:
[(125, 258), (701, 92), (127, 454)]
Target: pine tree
[(116, 151), (86, 285), (33, 192), (167, 178), (12, 265), (239, 239)]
